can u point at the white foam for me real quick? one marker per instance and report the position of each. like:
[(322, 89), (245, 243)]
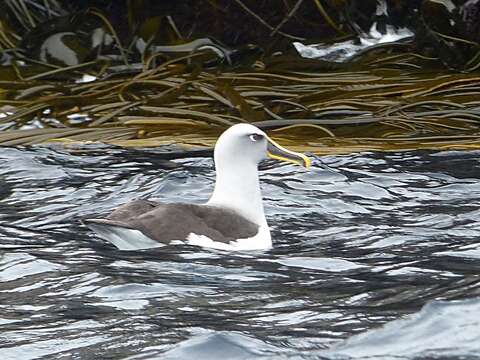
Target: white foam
[(344, 50)]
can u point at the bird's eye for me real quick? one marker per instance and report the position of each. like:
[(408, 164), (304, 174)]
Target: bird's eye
[(255, 137)]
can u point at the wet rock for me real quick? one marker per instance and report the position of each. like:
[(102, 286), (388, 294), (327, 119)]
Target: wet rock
[(375, 15), (470, 15), (449, 30), (67, 40)]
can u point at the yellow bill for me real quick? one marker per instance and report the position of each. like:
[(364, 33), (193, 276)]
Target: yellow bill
[(275, 151)]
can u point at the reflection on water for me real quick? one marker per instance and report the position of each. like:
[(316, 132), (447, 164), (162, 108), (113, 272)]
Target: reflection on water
[(359, 241)]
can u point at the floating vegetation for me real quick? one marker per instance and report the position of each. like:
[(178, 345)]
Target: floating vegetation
[(186, 92)]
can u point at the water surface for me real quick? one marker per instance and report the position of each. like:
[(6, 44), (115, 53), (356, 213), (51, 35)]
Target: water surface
[(376, 255)]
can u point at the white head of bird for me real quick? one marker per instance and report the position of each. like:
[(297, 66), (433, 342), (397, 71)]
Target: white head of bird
[(237, 154)]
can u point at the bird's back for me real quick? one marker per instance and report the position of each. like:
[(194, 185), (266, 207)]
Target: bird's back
[(163, 223)]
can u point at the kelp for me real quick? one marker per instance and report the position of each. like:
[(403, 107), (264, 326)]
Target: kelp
[(382, 99), (379, 108)]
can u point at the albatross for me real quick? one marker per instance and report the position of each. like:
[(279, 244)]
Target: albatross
[(233, 218)]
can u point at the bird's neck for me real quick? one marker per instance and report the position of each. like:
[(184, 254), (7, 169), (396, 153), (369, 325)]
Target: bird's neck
[(237, 187)]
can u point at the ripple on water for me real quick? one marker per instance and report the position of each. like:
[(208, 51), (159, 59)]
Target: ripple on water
[(17, 266), (220, 346), (450, 329), (323, 264), (364, 247)]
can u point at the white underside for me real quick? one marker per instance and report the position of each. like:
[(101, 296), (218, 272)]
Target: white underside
[(129, 239), (260, 241), (123, 238)]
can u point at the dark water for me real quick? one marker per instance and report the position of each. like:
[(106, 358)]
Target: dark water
[(376, 256)]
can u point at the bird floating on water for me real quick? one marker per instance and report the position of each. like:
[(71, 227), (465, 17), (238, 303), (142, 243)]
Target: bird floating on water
[(233, 218)]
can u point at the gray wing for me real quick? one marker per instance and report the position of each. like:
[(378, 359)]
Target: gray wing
[(166, 222), (132, 210)]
